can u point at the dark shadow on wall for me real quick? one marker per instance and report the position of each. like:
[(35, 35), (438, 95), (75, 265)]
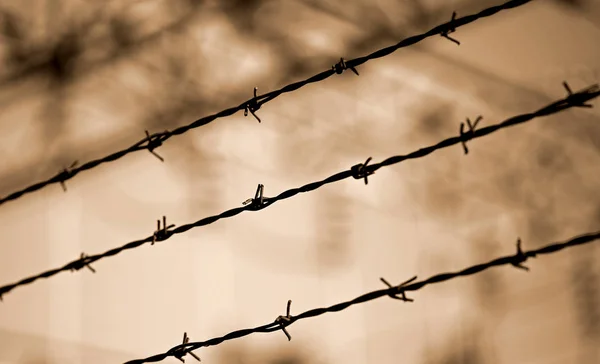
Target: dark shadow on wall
[(87, 38), (434, 121)]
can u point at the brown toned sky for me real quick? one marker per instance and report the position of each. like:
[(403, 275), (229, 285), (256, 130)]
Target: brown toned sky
[(82, 79)]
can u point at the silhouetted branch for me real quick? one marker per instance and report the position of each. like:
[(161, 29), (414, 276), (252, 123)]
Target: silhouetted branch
[(573, 99), (392, 292), (256, 102)]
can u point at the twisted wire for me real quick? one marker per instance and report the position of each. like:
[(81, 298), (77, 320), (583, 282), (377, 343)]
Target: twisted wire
[(573, 99), (153, 141), (517, 259)]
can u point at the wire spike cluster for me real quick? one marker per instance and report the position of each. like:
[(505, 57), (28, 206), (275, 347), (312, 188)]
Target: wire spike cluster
[(66, 174), (341, 66), (162, 233), (155, 141), (451, 28), (260, 202), (179, 351), (520, 257), (360, 171), (286, 320), (575, 100), (400, 290), (84, 261), (409, 285), (151, 142), (465, 136), (252, 106)]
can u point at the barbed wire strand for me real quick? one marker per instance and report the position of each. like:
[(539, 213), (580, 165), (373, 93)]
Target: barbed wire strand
[(359, 171), (283, 321), (153, 141)]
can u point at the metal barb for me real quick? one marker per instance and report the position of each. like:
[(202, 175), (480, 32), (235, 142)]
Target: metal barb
[(341, 66), (180, 353), (474, 125), (283, 321), (468, 135), (82, 262), (259, 200), (566, 85), (400, 288), (575, 98), (154, 141), (162, 233), (252, 106), (66, 174), (520, 257), (451, 29), (360, 171)]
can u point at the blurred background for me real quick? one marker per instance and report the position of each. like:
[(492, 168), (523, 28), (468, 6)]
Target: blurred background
[(82, 79)]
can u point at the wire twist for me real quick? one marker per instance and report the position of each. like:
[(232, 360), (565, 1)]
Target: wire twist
[(521, 257), (283, 321), (84, 261), (573, 100), (286, 320), (399, 290), (180, 351), (154, 141), (162, 233), (252, 106), (259, 201), (341, 66), (66, 174), (150, 143), (361, 171), (465, 136), (450, 28)]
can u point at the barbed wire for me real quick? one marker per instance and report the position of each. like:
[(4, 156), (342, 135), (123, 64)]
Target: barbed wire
[(153, 141), (396, 292), (359, 171)]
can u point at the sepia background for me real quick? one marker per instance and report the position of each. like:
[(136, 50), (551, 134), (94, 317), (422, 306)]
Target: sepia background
[(82, 79)]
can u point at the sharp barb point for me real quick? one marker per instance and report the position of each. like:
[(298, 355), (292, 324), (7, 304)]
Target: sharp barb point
[(194, 356), (385, 282)]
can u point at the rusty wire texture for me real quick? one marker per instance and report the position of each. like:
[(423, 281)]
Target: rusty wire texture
[(153, 141), (359, 171), (283, 321)]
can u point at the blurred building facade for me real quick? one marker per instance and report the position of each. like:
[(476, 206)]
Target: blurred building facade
[(83, 79)]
